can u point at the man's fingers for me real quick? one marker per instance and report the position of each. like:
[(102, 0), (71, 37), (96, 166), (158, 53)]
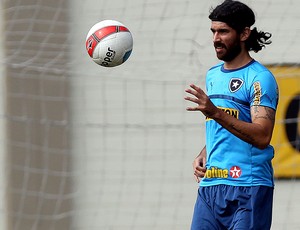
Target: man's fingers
[(192, 108), (192, 99), (197, 178), (190, 91), (200, 172), (196, 88)]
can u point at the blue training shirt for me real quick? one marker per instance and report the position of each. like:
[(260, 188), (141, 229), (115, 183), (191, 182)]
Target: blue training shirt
[(230, 160)]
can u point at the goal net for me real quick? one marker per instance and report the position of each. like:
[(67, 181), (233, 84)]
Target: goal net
[(88, 147)]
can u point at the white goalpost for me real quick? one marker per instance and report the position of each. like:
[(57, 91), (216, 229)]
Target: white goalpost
[(88, 147)]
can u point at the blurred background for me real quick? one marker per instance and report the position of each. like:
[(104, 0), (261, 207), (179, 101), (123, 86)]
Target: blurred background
[(85, 147)]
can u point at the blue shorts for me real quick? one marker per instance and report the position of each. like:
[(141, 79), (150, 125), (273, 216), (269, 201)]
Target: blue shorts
[(233, 207)]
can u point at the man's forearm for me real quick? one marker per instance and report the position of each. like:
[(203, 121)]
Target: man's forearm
[(251, 133)]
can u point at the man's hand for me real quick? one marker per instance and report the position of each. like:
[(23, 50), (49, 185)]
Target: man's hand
[(202, 101), (199, 165)]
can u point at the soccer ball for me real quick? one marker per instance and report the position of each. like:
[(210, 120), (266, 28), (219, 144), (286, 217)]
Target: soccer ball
[(109, 43)]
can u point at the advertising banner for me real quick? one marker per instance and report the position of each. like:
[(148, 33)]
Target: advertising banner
[(286, 133)]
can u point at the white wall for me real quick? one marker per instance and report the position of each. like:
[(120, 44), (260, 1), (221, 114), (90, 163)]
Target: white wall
[(133, 143), (3, 172), (133, 140)]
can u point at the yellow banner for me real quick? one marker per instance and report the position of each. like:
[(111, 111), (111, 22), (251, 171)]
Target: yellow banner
[(286, 133)]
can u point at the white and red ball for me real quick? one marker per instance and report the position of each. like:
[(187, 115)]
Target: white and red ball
[(109, 43)]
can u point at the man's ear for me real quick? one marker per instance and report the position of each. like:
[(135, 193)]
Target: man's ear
[(245, 34)]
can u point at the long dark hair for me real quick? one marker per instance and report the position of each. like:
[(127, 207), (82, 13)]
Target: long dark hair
[(257, 40), (238, 16)]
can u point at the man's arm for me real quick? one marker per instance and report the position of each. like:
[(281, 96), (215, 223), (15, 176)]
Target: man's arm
[(257, 133)]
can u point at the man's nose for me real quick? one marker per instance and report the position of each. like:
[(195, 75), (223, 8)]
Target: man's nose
[(216, 37)]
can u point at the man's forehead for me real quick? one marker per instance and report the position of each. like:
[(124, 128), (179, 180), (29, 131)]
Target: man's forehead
[(219, 24)]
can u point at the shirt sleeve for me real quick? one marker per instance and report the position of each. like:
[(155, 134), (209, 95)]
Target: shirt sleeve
[(264, 90)]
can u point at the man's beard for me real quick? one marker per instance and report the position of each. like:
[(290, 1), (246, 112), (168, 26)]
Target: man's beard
[(231, 52)]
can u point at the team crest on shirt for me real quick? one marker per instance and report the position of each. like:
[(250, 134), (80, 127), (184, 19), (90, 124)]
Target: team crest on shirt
[(235, 84)]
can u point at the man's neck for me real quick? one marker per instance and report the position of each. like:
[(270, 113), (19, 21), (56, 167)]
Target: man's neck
[(239, 61)]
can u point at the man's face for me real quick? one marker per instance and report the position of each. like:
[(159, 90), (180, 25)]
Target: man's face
[(226, 41)]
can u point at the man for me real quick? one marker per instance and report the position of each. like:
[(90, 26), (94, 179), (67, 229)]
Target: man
[(236, 189)]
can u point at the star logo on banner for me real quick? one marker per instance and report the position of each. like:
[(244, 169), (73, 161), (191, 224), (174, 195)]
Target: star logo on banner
[(235, 172), (235, 84)]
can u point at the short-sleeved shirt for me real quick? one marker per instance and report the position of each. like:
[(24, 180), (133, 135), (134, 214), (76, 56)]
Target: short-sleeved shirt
[(230, 160)]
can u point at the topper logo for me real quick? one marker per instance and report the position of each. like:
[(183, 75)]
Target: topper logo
[(109, 57)]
